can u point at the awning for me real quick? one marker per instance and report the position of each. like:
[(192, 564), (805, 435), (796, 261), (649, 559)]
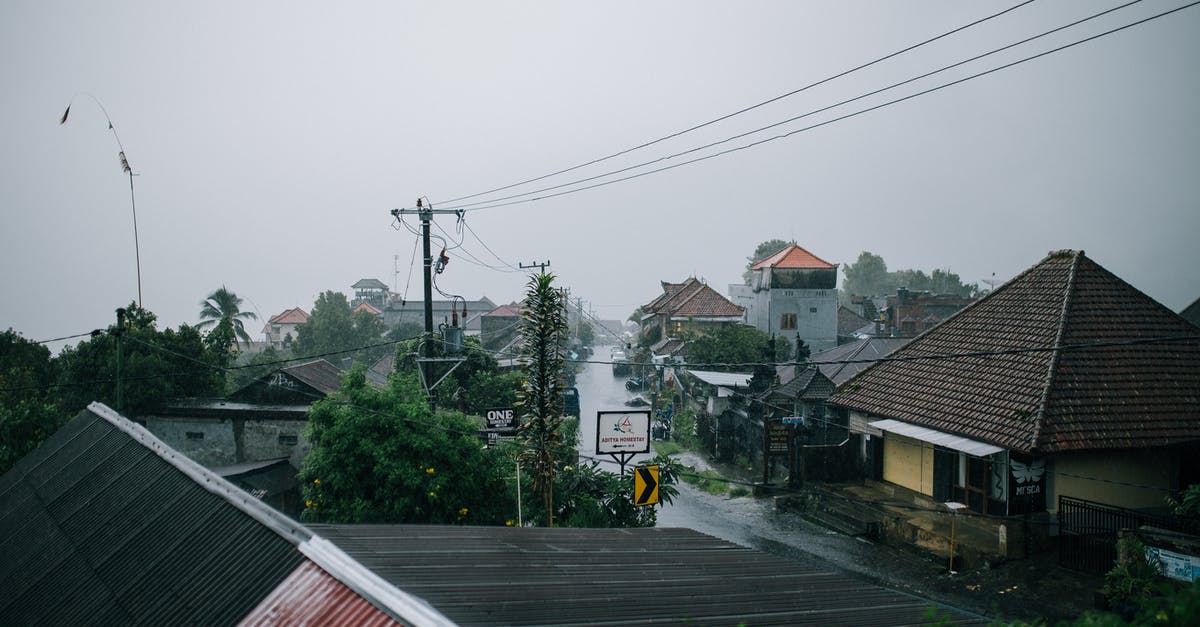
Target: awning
[(938, 438)]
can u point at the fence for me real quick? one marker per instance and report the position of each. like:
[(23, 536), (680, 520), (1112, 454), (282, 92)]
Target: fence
[(1087, 539)]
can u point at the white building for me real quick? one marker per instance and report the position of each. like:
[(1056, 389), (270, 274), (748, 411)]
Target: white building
[(792, 294)]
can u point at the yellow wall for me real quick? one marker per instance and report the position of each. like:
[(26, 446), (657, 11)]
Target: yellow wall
[(908, 462), (1103, 477)]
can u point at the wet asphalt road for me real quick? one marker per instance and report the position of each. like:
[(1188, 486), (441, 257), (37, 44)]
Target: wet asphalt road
[(747, 521)]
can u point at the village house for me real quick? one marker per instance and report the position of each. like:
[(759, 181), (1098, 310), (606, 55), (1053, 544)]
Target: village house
[(1065, 384), (686, 307), (281, 328)]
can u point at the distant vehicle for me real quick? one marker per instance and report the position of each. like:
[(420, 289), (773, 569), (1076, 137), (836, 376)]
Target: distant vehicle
[(571, 402), (620, 364), (635, 384)]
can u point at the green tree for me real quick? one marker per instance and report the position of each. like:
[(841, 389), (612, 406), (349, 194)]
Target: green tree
[(334, 327), (868, 276), (383, 456), (222, 309), (587, 335), (762, 251), (155, 366), (27, 413), (727, 348), (587, 496), (543, 331)]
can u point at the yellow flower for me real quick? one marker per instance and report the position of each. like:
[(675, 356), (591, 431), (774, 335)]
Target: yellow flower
[(432, 494), (317, 481), (462, 512), (568, 468), (308, 503), (429, 471), (508, 523)]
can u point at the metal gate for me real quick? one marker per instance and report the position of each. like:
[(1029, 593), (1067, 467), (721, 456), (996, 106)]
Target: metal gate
[(1087, 538)]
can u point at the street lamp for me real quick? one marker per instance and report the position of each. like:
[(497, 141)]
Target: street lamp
[(128, 170)]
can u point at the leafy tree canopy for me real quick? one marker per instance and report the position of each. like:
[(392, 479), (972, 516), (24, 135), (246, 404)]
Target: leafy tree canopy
[(27, 413), (730, 346), (869, 276), (762, 251), (156, 366), (383, 456), (333, 327)]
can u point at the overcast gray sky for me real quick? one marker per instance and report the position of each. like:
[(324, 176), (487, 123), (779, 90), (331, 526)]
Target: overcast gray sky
[(271, 140)]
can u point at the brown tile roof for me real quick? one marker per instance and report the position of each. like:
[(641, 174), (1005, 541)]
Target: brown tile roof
[(793, 257), (692, 298), (1126, 396), (295, 315)]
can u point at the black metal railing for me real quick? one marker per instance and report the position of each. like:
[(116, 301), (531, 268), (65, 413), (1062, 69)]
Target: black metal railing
[(1087, 538)]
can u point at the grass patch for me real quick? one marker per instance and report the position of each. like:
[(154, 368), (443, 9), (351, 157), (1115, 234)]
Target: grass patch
[(709, 481), (739, 491), (668, 448)]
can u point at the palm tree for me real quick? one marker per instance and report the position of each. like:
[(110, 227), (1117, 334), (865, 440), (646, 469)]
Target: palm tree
[(223, 308)]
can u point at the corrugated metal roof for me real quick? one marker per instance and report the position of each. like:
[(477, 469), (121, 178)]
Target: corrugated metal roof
[(945, 440), (105, 524), (725, 379), (539, 576)]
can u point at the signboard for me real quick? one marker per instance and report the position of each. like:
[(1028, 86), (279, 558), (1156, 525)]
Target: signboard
[(779, 436), (622, 432), (1174, 565), (645, 485), (793, 420), (504, 418)]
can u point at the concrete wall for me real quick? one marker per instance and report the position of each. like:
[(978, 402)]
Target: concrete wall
[(216, 445), (224, 442), (765, 309), (1114, 477), (908, 463)]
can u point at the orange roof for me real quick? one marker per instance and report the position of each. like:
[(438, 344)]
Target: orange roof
[(793, 257), (295, 315), (365, 306)]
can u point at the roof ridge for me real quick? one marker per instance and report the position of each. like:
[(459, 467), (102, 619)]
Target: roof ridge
[(1048, 381)]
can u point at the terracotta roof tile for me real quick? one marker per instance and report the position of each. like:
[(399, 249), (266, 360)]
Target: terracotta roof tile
[(692, 298), (294, 315), (1128, 396), (793, 257)]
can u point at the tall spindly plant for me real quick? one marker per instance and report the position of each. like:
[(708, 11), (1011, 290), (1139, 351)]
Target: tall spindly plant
[(540, 404)]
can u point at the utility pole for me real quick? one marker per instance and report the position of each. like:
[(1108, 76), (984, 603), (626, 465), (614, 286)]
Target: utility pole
[(541, 266), (425, 215), (120, 330)]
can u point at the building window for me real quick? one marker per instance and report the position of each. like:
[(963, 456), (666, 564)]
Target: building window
[(787, 322), (287, 440), (812, 310), (195, 435)]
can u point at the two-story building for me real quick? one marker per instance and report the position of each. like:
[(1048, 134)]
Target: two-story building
[(792, 294)]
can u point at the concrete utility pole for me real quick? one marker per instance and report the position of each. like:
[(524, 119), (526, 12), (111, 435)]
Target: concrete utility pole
[(425, 214)]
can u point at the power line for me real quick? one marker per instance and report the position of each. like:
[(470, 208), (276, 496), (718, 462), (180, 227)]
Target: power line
[(746, 109), (515, 199)]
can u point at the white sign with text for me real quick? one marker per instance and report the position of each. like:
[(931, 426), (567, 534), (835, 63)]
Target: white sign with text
[(622, 432)]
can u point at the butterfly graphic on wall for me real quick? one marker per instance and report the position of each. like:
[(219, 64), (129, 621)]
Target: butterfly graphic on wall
[(1031, 472)]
